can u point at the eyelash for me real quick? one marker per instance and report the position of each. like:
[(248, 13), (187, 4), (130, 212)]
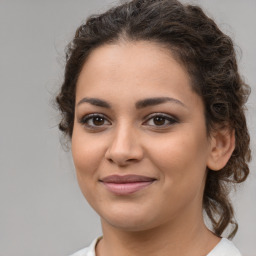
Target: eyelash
[(170, 119), (84, 120), (87, 118)]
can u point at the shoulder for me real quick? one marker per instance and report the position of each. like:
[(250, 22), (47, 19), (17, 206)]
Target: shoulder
[(88, 251), (83, 252), (225, 248)]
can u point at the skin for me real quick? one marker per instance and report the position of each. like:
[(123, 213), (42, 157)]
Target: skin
[(164, 218)]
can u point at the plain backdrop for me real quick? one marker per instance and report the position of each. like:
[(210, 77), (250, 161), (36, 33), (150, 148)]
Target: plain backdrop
[(42, 211)]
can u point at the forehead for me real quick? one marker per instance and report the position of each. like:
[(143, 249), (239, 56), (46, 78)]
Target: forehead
[(131, 58), (143, 67)]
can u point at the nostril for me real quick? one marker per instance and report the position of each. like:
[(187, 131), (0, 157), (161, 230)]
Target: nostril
[(121, 161), (132, 160)]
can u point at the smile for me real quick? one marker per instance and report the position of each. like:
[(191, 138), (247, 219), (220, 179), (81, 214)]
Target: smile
[(125, 185)]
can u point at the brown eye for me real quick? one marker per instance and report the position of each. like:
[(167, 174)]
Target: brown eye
[(98, 120), (94, 121), (159, 120)]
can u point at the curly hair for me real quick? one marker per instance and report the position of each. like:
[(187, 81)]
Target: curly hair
[(209, 57)]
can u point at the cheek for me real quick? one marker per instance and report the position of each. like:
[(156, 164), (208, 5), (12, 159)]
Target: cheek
[(181, 164), (86, 161), (182, 156), (87, 154)]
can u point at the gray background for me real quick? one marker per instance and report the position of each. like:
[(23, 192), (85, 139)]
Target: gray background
[(42, 211)]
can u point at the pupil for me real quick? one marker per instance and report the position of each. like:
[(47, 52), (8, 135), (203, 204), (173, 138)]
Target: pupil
[(159, 120), (98, 120)]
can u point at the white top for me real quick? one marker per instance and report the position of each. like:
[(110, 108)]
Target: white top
[(223, 248)]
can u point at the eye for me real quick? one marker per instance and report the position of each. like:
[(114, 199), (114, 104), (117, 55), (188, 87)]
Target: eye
[(160, 120), (94, 121)]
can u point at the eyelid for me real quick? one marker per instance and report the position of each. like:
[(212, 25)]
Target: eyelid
[(84, 119), (161, 114), (169, 117), (87, 117)]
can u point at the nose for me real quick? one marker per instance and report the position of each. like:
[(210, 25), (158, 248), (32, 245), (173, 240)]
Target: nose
[(124, 147)]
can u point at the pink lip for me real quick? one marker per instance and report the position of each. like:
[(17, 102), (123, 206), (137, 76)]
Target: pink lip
[(128, 184)]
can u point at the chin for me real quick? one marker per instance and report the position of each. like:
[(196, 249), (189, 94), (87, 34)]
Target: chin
[(129, 226), (129, 221)]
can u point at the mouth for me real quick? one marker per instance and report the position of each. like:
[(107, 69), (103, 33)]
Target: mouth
[(127, 184)]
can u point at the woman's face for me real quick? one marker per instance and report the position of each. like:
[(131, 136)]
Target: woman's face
[(139, 141)]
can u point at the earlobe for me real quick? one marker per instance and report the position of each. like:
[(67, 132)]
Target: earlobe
[(222, 147)]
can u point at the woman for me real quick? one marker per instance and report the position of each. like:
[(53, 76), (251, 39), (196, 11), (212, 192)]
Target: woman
[(154, 107)]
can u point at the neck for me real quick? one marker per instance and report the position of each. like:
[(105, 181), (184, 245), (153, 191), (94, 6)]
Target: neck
[(185, 235)]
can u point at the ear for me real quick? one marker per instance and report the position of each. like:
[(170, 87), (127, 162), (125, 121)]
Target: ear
[(222, 147)]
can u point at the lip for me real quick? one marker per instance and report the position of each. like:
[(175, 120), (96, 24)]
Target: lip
[(127, 184)]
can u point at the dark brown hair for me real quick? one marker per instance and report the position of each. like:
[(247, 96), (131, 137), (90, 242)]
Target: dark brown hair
[(209, 57)]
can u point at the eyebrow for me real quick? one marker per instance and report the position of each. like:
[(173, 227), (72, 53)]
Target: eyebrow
[(95, 102), (139, 104), (156, 101)]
